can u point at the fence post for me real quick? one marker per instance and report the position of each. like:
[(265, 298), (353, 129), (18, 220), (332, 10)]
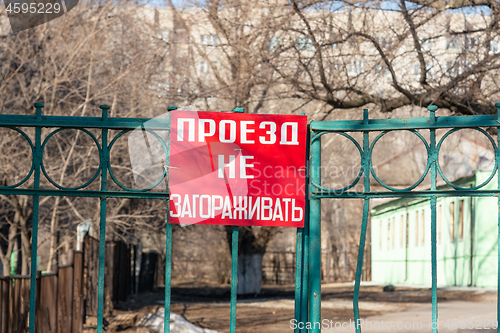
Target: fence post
[(366, 163), (497, 157), (234, 267), (315, 238), (37, 161), (4, 304), (102, 222), (168, 247), (433, 157)]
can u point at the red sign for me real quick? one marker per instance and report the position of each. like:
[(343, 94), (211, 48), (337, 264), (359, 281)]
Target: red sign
[(237, 169)]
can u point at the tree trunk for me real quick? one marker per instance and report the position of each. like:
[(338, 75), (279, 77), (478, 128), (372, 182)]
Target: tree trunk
[(249, 273), (252, 244)]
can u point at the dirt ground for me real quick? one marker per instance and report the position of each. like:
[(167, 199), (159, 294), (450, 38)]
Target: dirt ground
[(271, 311)]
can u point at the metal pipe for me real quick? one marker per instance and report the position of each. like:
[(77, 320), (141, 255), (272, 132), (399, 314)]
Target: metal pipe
[(315, 240), (102, 222), (37, 161)]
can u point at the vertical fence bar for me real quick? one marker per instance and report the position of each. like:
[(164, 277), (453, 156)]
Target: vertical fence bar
[(365, 162), (168, 274), (433, 160), (102, 222), (497, 157), (304, 294), (298, 275), (301, 260), (168, 245), (37, 161), (315, 240), (234, 266), (234, 278)]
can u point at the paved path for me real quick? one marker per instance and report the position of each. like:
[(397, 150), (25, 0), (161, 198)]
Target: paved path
[(478, 315)]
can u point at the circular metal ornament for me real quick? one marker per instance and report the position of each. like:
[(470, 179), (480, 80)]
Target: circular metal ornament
[(117, 182), (360, 150), (495, 149), (419, 181), (93, 177), (32, 157)]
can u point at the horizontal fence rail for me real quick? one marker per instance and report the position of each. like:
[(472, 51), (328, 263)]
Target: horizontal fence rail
[(365, 149)]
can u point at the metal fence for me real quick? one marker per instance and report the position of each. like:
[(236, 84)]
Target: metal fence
[(57, 124), (308, 252), (366, 126)]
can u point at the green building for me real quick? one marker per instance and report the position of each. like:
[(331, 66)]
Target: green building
[(466, 239)]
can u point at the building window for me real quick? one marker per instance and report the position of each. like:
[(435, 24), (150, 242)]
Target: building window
[(461, 220), (384, 42), (416, 228), (493, 47), (381, 235), (451, 68), (452, 221), (471, 43), (423, 227), (427, 45), (353, 43), (273, 44), (402, 229), (439, 223), (393, 232), (452, 42), (388, 234), (355, 67), (416, 70), (381, 69), (305, 44), (429, 68), (203, 66), (407, 243), (337, 66), (209, 39), (164, 35)]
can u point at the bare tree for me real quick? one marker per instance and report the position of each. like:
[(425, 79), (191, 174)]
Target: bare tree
[(350, 54), (223, 42), (98, 52)]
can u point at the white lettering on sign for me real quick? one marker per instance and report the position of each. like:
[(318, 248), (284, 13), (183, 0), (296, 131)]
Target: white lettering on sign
[(236, 207), (244, 166), (271, 133), (180, 129), (267, 135), (201, 129), (245, 130), (284, 131), (231, 165), (221, 165), (222, 131)]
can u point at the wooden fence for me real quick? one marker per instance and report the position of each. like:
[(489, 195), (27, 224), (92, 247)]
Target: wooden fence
[(117, 275), (59, 300), (68, 295)]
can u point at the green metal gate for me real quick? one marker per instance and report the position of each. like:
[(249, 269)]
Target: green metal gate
[(308, 251), (365, 126)]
